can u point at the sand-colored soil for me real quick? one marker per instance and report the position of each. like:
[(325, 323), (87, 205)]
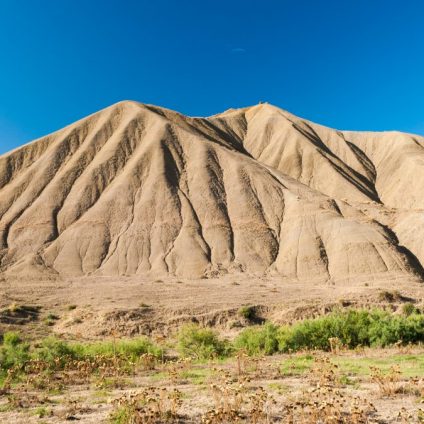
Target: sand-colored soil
[(102, 307)]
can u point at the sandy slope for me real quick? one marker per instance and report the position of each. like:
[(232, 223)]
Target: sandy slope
[(138, 189)]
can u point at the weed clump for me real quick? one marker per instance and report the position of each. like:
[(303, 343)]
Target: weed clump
[(259, 340), (390, 296), (149, 406), (409, 309), (200, 343), (247, 312), (51, 319)]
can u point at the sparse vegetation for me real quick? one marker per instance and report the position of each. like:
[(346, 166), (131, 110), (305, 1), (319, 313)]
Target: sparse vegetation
[(247, 312), (351, 328), (239, 382), (19, 314), (388, 382), (51, 318), (389, 296), (41, 412), (53, 354), (149, 406), (409, 309)]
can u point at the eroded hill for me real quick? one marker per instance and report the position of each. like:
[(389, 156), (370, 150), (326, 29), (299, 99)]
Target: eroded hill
[(138, 189)]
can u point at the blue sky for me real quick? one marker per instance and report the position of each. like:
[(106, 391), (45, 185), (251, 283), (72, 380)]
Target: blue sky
[(349, 64)]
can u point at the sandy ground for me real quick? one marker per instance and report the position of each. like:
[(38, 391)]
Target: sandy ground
[(93, 307)]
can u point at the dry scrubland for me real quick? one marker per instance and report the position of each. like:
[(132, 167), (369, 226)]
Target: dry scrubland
[(247, 267), (348, 366)]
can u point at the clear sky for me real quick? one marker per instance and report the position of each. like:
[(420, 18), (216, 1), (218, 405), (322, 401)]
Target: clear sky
[(349, 64)]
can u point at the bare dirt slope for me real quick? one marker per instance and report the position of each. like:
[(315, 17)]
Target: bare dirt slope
[(140, 190)]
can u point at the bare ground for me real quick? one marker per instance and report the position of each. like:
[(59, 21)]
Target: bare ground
[(94, 307)]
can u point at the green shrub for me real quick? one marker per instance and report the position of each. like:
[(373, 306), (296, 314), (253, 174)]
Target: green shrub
[(200, 343), (13, 351), (395, 329), (349, 326), (353, 328), (258, 340)]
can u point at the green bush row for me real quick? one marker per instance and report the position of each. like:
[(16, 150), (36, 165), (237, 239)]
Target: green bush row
[(16, 352), (352, 327)]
